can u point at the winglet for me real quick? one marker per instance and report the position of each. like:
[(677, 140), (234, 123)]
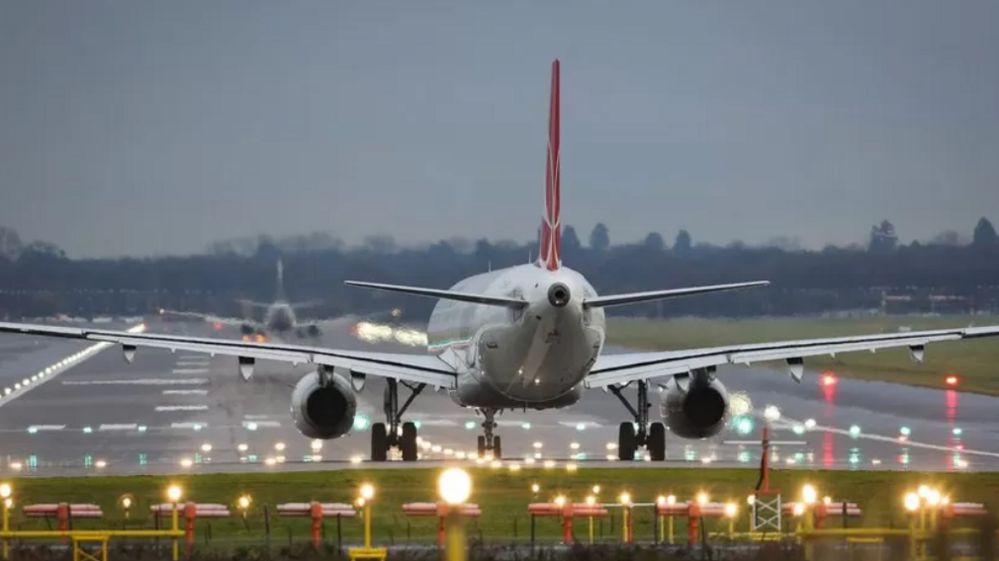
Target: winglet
[(551, 228)]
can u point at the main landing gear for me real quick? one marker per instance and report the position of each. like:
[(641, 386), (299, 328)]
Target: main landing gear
[(489, 442), (398, 434), (641, 432)]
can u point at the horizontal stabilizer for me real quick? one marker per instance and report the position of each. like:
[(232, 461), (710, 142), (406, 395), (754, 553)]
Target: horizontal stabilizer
[(635, 297), (443, 294)]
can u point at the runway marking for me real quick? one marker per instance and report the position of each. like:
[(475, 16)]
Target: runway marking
[(139, 382), (253, 417), (37, 428), (185, 392), (189, 425), (437, 422), (191, 370), (118, 426), (169, 408), (254, 425), (199, 363), (191, 356)]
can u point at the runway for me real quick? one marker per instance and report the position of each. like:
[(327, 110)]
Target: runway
[(181, 412)]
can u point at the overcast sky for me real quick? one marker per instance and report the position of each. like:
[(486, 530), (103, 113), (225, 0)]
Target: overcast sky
[(140, 127)]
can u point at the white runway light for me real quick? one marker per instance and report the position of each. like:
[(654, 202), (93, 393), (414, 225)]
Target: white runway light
[(50, 372)]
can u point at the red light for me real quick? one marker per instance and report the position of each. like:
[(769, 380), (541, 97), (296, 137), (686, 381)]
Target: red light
[(829, 379), (217, 325), (951, 380)]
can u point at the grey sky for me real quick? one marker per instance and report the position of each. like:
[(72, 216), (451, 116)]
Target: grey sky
[(157, 127)]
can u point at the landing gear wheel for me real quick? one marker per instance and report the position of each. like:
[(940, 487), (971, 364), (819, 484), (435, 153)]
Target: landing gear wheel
[(379, 443), (398, 434), (489, 444), (656, 442), (407, 443), (627, 442)]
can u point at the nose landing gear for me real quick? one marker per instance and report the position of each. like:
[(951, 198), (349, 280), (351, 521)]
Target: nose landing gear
[(641, 432), (398, 434), (489, 442)]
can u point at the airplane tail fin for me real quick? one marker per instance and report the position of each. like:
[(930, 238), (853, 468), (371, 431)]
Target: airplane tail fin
[(549, 254), (280, 294)]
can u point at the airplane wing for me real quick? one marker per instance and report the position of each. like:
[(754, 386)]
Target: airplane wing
[(423, 369), (622, 368)]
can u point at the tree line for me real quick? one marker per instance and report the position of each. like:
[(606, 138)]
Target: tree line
[(39, 279)]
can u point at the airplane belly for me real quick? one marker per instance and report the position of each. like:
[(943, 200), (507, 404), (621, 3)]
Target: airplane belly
[(537, 365)]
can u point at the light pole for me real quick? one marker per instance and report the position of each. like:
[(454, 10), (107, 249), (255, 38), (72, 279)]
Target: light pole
[(174, 493), (591, 502), (243, 502), (454, 487), (625, 500), (367, 492), (5, 493), (912, 503), (731, 510)]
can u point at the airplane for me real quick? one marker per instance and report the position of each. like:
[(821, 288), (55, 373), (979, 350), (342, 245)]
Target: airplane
[(279, 318), (528, 336)]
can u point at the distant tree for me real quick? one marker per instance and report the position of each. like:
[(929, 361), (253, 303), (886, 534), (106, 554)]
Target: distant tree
[(948, 238), (883, 238), (267, 250), (600, 237), (380, 243), (985, 234), (784, 243), (683, 242), (654, 242), (10, 243), (570, 240), (41, 256)]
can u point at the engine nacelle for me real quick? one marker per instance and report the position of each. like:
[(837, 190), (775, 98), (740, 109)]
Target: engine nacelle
[(323, 411), (695, 406)]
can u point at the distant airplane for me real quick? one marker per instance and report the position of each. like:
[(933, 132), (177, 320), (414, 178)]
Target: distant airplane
[(279, 318), (528, 336)]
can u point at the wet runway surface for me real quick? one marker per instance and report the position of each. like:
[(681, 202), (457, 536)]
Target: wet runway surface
[(170, 412)]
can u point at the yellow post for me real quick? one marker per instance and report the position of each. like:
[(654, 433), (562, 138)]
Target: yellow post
[(175, 526), (591, 530), (669, 523), (808, 520), (367, 524), (624, 523), (731, 528), (913, 544), (6, 528), (454, 547)]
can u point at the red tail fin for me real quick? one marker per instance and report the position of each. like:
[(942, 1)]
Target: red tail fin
[(549, 255)]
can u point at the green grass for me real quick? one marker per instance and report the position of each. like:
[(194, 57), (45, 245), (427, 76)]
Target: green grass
[(503, 496), (977, 362)]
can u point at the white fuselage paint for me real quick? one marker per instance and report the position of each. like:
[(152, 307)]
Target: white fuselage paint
[(535, 356)]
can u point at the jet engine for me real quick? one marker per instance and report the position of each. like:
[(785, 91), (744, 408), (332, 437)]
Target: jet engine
[(695, 405), (323, 406)]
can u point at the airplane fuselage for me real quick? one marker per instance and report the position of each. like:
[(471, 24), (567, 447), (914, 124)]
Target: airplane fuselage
[(280, 317), (535, 356)]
